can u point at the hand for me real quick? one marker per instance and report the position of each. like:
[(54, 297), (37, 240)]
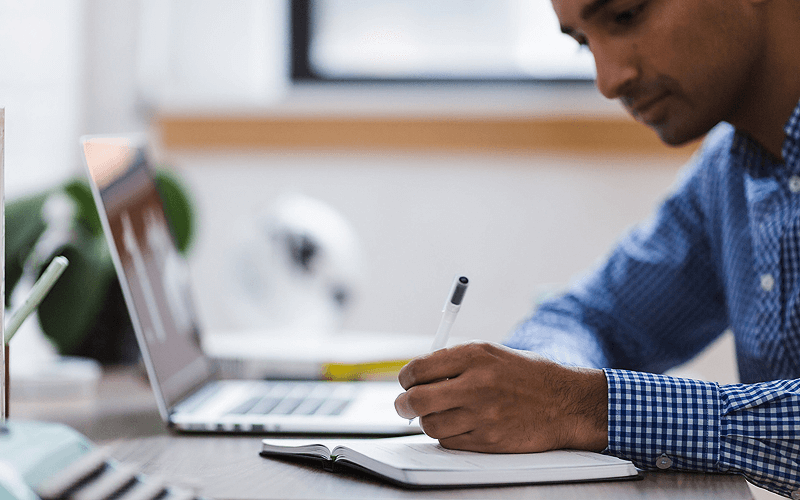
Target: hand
[(486, 397)]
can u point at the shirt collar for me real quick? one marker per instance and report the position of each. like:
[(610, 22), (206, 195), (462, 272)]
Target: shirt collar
[(758, 161)]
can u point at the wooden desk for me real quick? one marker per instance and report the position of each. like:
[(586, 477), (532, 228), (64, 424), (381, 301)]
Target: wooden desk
[(124, 407), (124, 418), (230, 468)]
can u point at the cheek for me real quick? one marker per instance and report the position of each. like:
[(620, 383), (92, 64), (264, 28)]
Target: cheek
[(679, 52), (716, 49), (708, 62)]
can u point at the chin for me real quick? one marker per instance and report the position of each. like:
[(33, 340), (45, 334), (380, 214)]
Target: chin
[(678, 136)]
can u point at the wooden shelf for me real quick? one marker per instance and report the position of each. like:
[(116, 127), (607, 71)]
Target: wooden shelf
[(619, 136)]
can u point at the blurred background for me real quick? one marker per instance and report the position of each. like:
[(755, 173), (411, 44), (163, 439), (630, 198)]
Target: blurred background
[(442, 137), (453, 137)]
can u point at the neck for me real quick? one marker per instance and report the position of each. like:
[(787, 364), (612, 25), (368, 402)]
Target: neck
[(775, 86)]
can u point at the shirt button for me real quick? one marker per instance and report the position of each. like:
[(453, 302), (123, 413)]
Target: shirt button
[(794, 183), (767, 282), (663, 462)]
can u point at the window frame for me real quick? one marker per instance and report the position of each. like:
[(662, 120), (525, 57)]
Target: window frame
[(301, 70)]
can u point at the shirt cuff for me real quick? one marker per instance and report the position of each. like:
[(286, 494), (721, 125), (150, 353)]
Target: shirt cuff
[(662, 422), (759, 432)]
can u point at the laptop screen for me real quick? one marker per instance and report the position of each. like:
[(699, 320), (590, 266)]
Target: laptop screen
[(153, 275)]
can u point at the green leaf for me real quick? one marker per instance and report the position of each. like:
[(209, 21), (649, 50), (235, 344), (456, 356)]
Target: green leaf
[(86, 215), (177, 208), (24, 226), (71, 308)]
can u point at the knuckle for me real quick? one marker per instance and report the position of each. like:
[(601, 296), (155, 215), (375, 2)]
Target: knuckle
[(472, 350), (430, 427), (492, 436), (477, 349), (482, 345), (496, 371), (492, 416), (415, 400), (408, 374)]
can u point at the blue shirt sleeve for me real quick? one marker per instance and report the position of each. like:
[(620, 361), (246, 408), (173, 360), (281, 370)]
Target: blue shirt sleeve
[(655, 302), (662, 422)]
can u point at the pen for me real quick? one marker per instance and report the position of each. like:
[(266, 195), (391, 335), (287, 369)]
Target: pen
[(449, 312), (38, 293)]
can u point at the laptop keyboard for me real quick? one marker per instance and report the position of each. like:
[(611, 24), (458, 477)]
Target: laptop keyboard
[(293, 399)]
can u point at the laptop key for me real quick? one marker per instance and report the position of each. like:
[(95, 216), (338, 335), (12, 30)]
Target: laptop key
[(309, 406), (244, 406), (264, 406), (197, 400), (287, 406), (337, 407)]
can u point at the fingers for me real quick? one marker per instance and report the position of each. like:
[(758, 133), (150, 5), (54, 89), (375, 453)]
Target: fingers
[(442, 380), (442, 364), (429, 368), (484, 441), (465, 441), (448, 423), (425, 399)]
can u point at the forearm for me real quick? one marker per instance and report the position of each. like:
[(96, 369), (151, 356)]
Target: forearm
[(662, 422), (559, 337)]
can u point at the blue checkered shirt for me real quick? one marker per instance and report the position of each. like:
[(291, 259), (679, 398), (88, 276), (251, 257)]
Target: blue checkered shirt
[(723, 251)]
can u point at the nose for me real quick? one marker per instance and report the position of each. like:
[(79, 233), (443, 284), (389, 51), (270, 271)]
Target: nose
[(617, 69)]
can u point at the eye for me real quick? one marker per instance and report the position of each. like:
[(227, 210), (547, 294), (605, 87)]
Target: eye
[(581, 39), (628, 16)]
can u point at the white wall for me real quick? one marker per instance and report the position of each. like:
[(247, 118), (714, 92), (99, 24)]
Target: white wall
[(111, 96), (512, 223), (41, 82), (516, 225)]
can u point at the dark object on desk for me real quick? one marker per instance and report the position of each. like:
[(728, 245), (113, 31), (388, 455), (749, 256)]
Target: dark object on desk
[(85, 312)]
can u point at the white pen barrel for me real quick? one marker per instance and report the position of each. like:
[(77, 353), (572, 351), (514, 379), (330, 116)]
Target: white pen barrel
[(443, 332)]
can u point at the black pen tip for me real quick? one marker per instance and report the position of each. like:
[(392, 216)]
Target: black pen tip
[(460, 290)]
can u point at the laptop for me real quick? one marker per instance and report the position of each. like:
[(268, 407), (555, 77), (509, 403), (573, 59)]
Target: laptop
[(155, 283)]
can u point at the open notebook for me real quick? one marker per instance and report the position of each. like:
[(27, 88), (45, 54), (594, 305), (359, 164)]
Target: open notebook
[(419, 461)]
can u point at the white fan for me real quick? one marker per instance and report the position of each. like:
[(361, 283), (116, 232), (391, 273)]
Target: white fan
[(297, 270)]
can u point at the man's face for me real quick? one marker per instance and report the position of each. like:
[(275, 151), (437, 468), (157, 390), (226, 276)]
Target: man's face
[(679, 66)]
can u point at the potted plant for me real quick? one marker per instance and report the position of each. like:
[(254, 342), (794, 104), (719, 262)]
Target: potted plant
[(84, 314)]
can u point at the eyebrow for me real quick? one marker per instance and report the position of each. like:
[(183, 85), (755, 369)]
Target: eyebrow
[(587, 12), (593, 8)]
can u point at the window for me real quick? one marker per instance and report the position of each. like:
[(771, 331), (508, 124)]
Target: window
[(423, 40)]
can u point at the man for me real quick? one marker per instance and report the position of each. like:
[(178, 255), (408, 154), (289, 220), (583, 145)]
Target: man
[(722, 251)]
